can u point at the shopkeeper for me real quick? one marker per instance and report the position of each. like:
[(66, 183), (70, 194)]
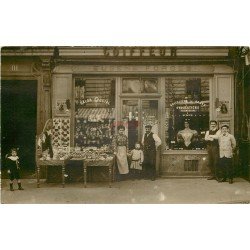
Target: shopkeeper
[(120, 145), (150, 142)]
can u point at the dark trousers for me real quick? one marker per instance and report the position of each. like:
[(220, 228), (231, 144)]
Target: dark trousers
[(213, 157), (149, 169), (225, 168)]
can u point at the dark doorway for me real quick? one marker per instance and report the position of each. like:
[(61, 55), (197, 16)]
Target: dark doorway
[(18, 120)]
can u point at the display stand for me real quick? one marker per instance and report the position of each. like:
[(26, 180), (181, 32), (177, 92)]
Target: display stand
[(100, 163), (45, 163)]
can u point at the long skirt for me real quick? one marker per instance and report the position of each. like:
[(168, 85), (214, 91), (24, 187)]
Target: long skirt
[(122, 161)]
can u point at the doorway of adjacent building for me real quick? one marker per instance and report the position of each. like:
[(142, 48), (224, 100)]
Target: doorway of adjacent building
[(19, 120)]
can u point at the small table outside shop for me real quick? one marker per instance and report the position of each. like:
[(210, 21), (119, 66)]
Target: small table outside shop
[(51, 162), (108, 162)]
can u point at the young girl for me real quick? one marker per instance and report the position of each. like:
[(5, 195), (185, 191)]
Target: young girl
[(12, 162), (136, 161)]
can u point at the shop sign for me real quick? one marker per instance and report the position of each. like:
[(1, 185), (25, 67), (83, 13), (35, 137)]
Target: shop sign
[(141, 51), (188, 108), (95, 100), (185, 106)]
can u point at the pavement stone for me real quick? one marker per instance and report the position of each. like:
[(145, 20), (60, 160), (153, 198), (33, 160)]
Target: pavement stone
[(161, 191)]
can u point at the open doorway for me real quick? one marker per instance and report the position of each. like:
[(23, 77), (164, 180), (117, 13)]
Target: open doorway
[(19, 120)]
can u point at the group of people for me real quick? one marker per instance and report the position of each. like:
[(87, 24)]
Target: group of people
[(142, 157), (220, 147)]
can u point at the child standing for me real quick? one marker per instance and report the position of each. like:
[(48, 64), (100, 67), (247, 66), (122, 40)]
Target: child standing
[(12, 162), (136, 161)]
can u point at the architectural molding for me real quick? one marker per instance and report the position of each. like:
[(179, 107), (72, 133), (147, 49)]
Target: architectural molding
[(143, 69)]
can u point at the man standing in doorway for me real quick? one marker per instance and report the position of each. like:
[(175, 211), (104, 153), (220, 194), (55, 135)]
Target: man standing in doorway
[(211, 138), (150, 142)]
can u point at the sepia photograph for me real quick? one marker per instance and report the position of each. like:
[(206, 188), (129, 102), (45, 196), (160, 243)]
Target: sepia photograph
[(125, 124)]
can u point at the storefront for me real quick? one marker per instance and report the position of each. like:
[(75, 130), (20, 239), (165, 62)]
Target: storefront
[(92, 90)]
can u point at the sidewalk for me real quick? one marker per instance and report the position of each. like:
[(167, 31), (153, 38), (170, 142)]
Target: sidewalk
[(161, 191)]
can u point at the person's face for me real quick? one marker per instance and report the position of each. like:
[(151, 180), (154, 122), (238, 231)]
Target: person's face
[(148, 130), (137, 146), (13, 153), (224, 130), (186, 124), (121, 131), (212, 125)]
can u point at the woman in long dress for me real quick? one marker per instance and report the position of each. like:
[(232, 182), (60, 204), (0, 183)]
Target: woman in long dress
[(120, 145)]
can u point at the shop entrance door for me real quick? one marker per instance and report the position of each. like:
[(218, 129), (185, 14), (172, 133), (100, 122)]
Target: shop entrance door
[(136, 114)]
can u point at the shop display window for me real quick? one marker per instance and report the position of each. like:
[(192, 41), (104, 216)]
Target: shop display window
[(139, 85), (187, 113), (94, 112)]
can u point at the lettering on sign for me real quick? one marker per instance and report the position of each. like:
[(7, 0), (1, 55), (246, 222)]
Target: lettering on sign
[(95, 100), (188, 108), (135, 51), (147, 68), (136, 68)]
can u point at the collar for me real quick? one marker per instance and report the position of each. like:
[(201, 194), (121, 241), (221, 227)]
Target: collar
[(225, 134), (213, 129), (13, 158)]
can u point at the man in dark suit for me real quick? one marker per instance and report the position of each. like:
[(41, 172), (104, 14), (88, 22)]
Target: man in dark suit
[(211, 138), (150, 142)]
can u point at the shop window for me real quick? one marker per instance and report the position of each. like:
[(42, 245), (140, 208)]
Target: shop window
[(187, 112), (149, 86), (139, 85), (94, 112)]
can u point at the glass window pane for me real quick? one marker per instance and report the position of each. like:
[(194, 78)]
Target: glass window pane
[(187, 112), (94, 111), (150, 115), (131, 85), (130, 117), (149, 86)]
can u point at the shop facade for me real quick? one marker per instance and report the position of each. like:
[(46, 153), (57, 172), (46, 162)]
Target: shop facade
[(90, 91)]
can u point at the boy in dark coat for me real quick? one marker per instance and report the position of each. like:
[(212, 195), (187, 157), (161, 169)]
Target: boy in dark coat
[(12, 162)]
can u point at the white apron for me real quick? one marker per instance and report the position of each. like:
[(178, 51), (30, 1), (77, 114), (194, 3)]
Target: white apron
[(122, 161)]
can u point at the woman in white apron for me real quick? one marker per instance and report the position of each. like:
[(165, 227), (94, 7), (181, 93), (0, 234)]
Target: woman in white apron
[(120, 144)]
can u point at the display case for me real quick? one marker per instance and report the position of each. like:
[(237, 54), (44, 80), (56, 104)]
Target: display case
[(94, 112), (187, 113)]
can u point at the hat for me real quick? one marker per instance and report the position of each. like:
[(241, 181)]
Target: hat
[(225, 126), (148, 126)]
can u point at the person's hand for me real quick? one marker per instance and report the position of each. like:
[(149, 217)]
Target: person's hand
[(8, 171), (115, 153)]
